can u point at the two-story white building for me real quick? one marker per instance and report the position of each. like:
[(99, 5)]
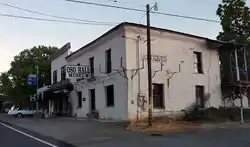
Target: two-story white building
[(185, 70)]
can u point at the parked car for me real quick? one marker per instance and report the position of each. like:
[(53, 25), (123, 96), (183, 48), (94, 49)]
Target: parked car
[(6, 110), (21, 111)]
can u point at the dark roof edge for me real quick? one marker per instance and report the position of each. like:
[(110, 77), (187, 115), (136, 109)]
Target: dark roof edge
[(226, 43), (143, 26), (61, 51)]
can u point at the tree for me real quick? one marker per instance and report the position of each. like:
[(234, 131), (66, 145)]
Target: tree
[(24, 64), (235, 21), (5, 84)]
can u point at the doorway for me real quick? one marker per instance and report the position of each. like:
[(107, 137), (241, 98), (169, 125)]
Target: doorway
[(158, 96), (92, 99), (200, 101)]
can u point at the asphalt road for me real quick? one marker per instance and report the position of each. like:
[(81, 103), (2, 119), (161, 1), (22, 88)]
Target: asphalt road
[(11, 138), (70, 133)]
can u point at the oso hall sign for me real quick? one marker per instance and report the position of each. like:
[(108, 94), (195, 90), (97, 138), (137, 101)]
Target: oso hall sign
[(77, 71)]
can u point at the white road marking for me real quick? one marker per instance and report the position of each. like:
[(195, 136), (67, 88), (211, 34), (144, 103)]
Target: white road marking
[(37, 139)]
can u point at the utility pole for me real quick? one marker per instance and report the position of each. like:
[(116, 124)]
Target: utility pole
[(238, 79), (150, 92), (37, 96)]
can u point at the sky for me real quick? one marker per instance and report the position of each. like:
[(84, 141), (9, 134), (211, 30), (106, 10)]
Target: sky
[(19, 34)]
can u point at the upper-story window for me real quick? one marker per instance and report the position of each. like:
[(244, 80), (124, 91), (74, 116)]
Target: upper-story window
[(91, 65), (54, 76), (108, 61), (198, 62), (63, 73)]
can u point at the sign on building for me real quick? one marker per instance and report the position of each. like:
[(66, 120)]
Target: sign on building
[(77, 71), (156, 58)]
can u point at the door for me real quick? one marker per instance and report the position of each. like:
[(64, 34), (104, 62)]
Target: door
[(92, 99), (158, 96), (200, 101)]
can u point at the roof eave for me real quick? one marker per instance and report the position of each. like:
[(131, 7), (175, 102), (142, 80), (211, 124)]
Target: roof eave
[(223, 44)]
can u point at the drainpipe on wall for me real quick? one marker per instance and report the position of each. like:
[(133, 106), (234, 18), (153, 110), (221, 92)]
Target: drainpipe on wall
[(138, 62), (138, 68)]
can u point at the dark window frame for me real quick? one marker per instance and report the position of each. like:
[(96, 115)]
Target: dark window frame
[(92, 66), (108, 61), (200, 96), (198, 62), (79, 96), (54, 76), (92, 99), (110, 96), (63, 73), (158, 96)]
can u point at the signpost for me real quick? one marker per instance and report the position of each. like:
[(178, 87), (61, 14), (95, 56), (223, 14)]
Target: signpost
[(33, 81), (77, 71)]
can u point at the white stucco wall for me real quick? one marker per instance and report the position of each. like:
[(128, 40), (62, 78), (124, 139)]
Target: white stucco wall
[(116, 43), (181, 90), (57, 64)]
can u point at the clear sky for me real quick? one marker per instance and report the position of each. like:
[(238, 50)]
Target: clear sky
[(19, 34)]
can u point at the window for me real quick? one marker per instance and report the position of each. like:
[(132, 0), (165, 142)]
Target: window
[(110, 96), (91, 64), (54, 76), (158, 98), (108, 61), (200, 101), (63, 73), (198, 62), (79, 99)]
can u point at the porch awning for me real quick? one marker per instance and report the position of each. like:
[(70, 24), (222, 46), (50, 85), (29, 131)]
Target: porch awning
[(61, 87)]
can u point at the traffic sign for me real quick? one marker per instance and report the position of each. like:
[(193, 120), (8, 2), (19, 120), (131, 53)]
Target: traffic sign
[(32, 79)]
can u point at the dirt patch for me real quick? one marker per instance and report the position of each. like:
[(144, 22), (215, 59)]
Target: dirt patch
[(170, 125), (163, 127)]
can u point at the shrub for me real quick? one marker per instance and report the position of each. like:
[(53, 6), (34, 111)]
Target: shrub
[(216, 114)]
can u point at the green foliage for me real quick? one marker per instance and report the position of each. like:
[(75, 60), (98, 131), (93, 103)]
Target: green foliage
[(216, 114), (5, 84), (24, 64), (235, 21)]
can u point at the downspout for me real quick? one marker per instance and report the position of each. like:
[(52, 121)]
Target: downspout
[(138, 62), (138, 72)]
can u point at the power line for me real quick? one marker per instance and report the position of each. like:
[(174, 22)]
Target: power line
[(126, 2), (52, 20), (105, 5), (140, 10), (60, 17), (187, 17)]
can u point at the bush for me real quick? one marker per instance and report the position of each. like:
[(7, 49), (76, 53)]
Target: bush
[(93, 114), (216, 114)]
